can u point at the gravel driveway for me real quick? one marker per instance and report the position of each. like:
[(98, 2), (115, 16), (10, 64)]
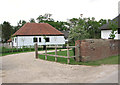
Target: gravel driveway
[(24, 68)]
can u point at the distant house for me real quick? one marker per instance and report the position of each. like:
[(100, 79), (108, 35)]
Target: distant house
[(41, 33), (106, 31)]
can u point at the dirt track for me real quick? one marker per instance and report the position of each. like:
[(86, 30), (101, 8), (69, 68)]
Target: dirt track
[(24, 68)]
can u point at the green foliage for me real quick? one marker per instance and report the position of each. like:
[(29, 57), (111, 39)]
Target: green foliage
[(46, 18), (78, 33), (113, 26), (83, 28), (73, 49), (32, 20), (19, 25), (6, 31)]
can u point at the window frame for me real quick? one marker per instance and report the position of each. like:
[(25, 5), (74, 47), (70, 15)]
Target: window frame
[(48, 39), (15, 39), (40, 39), (34, 39), (118, 30)]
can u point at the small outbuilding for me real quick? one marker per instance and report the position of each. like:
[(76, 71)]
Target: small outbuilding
[(106, 30), (40, 33)]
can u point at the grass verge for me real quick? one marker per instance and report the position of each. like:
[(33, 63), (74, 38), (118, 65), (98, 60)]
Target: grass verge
[(109, 60), (20, 51)]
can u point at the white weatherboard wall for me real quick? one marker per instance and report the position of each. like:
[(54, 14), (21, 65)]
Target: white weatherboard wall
[(28, 40), (105, 34)]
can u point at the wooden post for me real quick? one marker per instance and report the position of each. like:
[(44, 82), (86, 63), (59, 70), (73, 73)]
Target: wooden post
[(17, 48), (46, 53), (20, 48), (36, 50), (30, 47), (23, 48), (12, 49), (68, 55), (78, 53), (55, 53)]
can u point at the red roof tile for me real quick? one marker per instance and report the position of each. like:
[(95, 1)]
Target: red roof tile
[(37, 29)]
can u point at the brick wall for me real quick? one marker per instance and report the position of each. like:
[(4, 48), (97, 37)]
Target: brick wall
[(95, 49)]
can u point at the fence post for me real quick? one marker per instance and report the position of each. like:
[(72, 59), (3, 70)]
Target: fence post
[(23, 48), (36, 50), (78, 52), (46, 53), (12, 49), (68, 54), (30, 47), (17, 48), (55, 53), (20, 48)]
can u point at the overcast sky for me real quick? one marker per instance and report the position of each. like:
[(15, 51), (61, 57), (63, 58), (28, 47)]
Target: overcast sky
[(61, 10)]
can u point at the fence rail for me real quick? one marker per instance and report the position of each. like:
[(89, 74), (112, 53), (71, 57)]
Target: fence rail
[(68, 54)]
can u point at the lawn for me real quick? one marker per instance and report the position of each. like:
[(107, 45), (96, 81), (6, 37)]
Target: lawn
[(109, 60), (7, 51)]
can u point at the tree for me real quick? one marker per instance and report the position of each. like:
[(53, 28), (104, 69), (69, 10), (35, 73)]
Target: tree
[(44, 18), (19, 25), (6, 31), (90, 25), (113, 25), (32, 20), (78, 33)]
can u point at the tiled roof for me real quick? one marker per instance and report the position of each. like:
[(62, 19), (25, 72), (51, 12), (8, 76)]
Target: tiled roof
[(37, 29)]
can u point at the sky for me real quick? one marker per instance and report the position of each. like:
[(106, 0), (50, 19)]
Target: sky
[(61, 10)]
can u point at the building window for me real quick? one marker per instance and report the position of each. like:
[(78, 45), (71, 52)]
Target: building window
[(39, 39), (118, 30), (15, 40), (47, 40), (35, 39)]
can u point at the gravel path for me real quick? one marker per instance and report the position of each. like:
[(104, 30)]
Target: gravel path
[(24, 68)]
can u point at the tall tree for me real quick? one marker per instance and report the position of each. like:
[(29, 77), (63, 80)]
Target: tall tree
[(6, 31), (89, 25), (78, 33)]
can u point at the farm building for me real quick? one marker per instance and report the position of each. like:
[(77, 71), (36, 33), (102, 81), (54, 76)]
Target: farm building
[(106, 30), (41, 33)]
